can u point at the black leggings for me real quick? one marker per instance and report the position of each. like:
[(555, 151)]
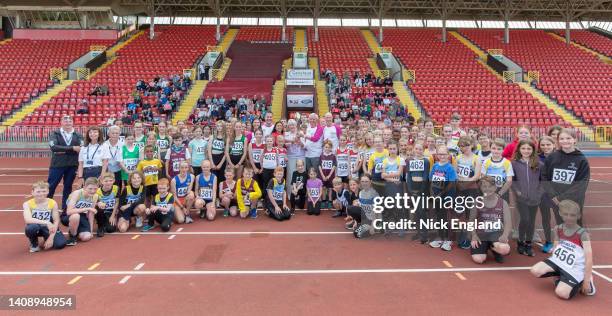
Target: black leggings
[(299, 200), (102, 218), (354, 212), (165, 220), (314, 209), (284, 215), (394, 214), (546, 207), (527, 215)]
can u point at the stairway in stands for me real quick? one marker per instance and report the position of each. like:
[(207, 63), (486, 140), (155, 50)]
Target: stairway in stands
[(401, 90), (254, 68)]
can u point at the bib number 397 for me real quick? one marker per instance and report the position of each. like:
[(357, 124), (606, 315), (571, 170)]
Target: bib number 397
[(563, 176)]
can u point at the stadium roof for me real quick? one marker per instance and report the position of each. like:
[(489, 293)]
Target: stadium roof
[(551, 10)]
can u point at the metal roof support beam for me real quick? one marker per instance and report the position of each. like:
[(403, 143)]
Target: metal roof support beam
[(152, 27), (284, 20), (444, 14), (315, 21), (568, 40)]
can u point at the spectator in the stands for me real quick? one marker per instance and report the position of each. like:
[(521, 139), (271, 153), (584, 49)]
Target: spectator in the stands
[(83, 107), (127, 119)]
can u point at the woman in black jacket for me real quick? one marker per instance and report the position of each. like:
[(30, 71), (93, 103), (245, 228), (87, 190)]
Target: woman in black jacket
[(566, 172)]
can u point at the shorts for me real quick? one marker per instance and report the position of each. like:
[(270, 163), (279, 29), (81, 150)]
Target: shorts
[(128, 213), (564, 277), (235, 159), (150, 190), (486, 242), (84, 225)]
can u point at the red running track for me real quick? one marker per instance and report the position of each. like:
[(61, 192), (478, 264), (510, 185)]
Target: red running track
[(305, 266)]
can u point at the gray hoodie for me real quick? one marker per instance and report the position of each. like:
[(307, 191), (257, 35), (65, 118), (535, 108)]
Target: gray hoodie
[(527, 182)]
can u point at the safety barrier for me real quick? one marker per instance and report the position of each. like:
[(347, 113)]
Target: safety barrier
[(82, 73), (495, 51), (409, 75), (386, 49), (97, 48), (57, 74), (213, 48), (509, 76), (533, 76), (383, 73), (300, 49), (603, 134)]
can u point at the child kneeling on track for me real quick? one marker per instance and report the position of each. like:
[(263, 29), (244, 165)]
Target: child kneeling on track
[(340, 197), (206, 186), (162, 208), (572, 257), (277, 196), (494, 210), (362, 212), (107, 206), (314, 189), (80, 212), (247, 194), (181, 187), (151, 167), (41, 216), (227, 194), (132, 201)]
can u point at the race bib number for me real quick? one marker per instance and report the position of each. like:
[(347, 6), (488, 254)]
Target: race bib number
[(282, 162), (464, 171), (438, 179), (499, 180), (315, 192), (378, 167), (218, 144), (200, 149), (247, 200), (206, 193), (150, 172), (238, 146), (343, 167), (83, 204), (277, 194), (176, 165), (110, 203), (132, 199), (327, 164), (41, 215), (565, 256), (416, 165), (181, 192), (162, 143), (257, 155), (130, 164), (563, 176)]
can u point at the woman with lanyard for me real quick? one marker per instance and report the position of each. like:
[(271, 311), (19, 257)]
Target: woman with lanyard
[(93, 157), (115, 154), (235, 150), (294, 141), (216, 151), (163, 141)]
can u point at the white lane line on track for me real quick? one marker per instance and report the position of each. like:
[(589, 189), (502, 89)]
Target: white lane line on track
[(272, 272), (171, 236), (603, 276), (139, 266)]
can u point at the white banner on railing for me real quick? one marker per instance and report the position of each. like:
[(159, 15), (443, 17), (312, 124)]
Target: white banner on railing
[(300, 101), (300, 82), (300, 74)]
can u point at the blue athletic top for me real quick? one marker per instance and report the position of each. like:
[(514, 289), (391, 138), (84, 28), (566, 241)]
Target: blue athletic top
[(206, 187), (182, 188)]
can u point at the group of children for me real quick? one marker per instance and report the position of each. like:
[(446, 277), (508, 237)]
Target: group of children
[(162, 178)]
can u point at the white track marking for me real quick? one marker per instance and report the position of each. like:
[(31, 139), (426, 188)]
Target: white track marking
[(171, 236), (139, 266), (125, 279), (601, 275), (271, 272), (180, 229)]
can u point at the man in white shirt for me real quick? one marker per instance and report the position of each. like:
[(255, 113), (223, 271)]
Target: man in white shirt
[(268, 126)]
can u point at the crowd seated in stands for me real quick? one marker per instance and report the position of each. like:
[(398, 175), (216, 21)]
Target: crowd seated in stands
[(100, 90), (218, 108), (367, 96), (165, 93)]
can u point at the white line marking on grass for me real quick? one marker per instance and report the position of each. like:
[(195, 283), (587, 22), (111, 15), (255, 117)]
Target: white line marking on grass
[(602, 276), (272, 272), (125, 279)]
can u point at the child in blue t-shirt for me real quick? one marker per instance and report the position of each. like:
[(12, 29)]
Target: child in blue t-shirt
[(443, 179)]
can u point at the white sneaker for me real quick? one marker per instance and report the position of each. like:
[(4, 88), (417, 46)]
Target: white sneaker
[(593, 290), (188, 220), (435, 244), (447, 245), (138, 222), (34, 249)]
